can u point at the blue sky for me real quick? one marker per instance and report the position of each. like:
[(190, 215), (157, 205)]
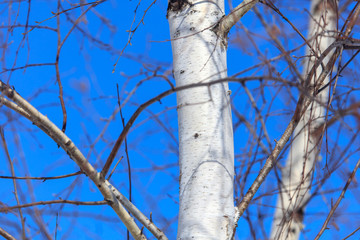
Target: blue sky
[(90, 97)]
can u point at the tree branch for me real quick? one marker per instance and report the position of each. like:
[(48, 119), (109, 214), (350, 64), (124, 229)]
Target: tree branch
[(6, 235), (65, 142), (228, 21), (303, 103), (42, 178), (352, 175), (61, 201)]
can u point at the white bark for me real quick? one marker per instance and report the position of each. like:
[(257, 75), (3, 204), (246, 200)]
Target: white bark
[(205, 125), (298, 172)]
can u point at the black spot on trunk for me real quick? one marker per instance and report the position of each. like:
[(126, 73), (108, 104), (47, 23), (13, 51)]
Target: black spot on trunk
[(177, 6)]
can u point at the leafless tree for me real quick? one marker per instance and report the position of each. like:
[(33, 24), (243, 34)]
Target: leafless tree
[(262, 138)]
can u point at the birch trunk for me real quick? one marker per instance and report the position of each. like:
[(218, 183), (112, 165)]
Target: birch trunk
[(206, 158), (298, 172)]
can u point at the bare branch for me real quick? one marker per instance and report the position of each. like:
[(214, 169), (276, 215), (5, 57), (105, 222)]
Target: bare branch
[(6, 235), (12, 169), (338, 201), (43, 178), (62, 201), (62, 140), (227, 22), (301, 106)]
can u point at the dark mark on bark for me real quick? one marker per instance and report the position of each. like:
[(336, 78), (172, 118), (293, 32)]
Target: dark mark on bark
[(177, 6)]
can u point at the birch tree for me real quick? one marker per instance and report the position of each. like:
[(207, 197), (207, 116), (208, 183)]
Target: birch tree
[(92, 154), (297, 175), (206, 152)]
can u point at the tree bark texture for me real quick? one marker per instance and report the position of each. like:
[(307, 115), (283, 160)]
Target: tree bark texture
[(298, 172), (206, 153)]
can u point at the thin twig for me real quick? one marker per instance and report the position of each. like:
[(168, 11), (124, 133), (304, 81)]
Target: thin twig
[(114, 168), (22, 220), (351, 233), (324, 227), (126, 147), (43, 178), (5, 209), (6, 235), (58, 79)]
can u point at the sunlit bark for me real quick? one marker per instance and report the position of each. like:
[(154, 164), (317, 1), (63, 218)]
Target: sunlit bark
[(304, 151), (205, 125)]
